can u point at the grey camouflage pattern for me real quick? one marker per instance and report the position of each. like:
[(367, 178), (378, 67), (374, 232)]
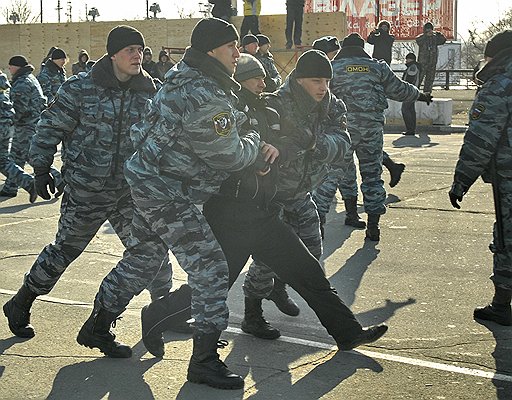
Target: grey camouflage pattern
[(51, 77)]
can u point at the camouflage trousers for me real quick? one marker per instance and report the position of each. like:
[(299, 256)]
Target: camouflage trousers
[(302, 216), (8, 167), (343, 180), (367, 134), (428, 72), (19, 154), (81, 216), (502, 260), (179, 226)]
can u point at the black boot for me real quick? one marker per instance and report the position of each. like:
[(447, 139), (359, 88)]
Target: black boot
[(206, 367), (17, 311), (254, 323), (373, 231), (31, 190), (351, 216), (283, 302), (367, 335), (168, 313), (395, 171), (499, 310), (95, 333)]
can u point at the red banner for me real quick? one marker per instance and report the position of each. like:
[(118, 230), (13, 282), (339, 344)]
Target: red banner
[(407, 17)]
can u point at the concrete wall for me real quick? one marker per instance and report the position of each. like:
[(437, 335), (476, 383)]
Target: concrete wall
[(34, 40)]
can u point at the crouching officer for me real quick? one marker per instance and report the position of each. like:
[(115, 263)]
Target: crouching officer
[(487, 152), (91, 116), (187, 144)]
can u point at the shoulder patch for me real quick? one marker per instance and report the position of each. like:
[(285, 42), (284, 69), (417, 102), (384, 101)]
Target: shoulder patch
[(476, 111), (222, 124), (357, 68)]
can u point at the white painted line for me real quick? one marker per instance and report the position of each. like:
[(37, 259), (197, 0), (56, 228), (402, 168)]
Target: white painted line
[(325, 346), (399, 359)]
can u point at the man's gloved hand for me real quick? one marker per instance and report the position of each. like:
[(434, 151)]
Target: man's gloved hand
[(44, 182), (456, 194), (425, 97)]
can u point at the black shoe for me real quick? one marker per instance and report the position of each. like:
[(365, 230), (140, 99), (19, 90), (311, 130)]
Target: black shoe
[(17, 311), (254, 323), (409, 133), (288, 45), (355, 222), (396, 172), (32, 192), (4, 193), (95, 333), (351, 216), (501, 314), (206, 367), (19, 320), (367, 335), (282, 301), (373, 231)]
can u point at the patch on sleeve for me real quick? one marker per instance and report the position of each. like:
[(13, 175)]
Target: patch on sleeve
[(357, 68), (222, 124), (477, 111)]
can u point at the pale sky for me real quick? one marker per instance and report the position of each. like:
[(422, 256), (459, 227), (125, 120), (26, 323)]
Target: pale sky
[(468, 13)]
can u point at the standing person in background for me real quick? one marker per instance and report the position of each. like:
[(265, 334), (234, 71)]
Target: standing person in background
[(53, 74), (222, 9), (272, 78), (329, 45), (411, 75), (382, 41), (250, 23), (487, 152), (82, 64), (147, 62), (294, 17), (428, 42), (163, 65), (7, 166)]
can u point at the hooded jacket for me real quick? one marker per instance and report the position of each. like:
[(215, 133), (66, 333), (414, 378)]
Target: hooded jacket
[(490, 127), (27, 96), (91, 117), (50, 78), (191, 137), (81, 66)]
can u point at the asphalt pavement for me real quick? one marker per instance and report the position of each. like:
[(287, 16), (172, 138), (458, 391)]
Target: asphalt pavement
[(423, 279)]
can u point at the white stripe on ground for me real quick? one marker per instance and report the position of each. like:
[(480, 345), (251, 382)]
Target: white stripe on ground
[(399, 359), (325, 346)]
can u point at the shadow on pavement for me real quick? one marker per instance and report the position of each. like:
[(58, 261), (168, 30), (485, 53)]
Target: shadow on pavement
[(6, 344), (421, 140), (501, 354)]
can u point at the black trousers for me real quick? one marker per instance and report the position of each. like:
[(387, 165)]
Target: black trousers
[(409, 116), (250, 23), (294, 16), (243, 230)]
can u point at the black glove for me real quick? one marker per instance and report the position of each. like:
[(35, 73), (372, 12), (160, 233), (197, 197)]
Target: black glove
[(43, 182), (454, 199), (425, 97)]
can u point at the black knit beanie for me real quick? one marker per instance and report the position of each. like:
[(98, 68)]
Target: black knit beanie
[(122, 36), (262, 39), (313, 64), (326, 44), (410, 56), (57, 54), (210, 33), (248, 39), (428, 26), (18, 61), (354, 39), (498, 42)]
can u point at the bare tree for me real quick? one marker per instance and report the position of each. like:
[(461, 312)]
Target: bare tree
[(21, 9), (473, 49)]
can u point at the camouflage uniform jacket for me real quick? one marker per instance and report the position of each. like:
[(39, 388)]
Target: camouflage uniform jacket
[(365, 83), (190, 139), (427, 46), (27, 96), (6, 107), (316, 135), (92, 116), (490, 118), (273, 79), (50, 78)]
